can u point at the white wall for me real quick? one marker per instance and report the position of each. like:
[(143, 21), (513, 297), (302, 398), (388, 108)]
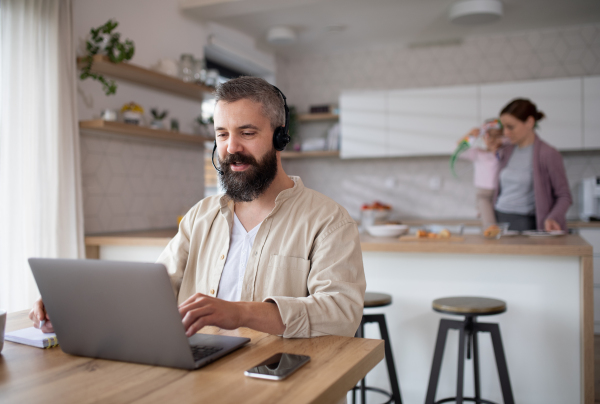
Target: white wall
[(320, 78), (129, 184)]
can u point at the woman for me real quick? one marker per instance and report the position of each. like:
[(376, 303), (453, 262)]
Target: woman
[(533, 190)]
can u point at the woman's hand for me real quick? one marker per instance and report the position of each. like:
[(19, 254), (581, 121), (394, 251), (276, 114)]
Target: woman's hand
[(38, 314), (551, 225)]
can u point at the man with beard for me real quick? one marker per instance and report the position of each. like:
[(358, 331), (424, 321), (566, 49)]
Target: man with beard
[(269, 254)]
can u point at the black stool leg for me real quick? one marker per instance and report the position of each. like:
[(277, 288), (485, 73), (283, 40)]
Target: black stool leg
[(494, 330), (360, 334), (389, 358), (438, 354), (461, 365), (476, 366)]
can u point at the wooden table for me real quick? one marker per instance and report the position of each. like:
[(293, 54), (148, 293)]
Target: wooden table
[(32, 375)]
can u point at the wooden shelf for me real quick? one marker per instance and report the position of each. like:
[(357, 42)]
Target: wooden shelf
[(317, 117), (146, 77), (98, 125), (312, 154)]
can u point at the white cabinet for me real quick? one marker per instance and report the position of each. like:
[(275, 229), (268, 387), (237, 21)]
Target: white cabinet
[(591, 112), (429, 121), (363, 124), (559, 99)]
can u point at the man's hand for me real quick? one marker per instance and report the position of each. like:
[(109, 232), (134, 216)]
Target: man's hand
[(38, 314), (551, 225), (201, 310)]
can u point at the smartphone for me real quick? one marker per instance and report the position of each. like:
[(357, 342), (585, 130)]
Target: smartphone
[(278, 366)]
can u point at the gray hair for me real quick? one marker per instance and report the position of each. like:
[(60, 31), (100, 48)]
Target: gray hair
[(257, 90)]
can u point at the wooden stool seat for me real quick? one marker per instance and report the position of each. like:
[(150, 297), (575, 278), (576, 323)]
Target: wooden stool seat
[(373, 299), (469, 306)]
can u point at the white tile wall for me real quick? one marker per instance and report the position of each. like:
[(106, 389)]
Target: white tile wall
[(354, 182), (131, 184), (319, 79)]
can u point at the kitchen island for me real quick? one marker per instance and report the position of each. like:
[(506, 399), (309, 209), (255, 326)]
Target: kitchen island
[(547, 329)]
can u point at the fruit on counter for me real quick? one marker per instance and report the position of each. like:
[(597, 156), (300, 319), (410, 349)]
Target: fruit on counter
[(492, 231), (444, 233), (422, 233), (376, 206)]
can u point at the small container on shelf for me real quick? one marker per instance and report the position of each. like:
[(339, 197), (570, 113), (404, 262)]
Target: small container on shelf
[(186, 67)]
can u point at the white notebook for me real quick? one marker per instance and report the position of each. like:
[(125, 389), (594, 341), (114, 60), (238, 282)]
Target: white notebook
[(32, 336)]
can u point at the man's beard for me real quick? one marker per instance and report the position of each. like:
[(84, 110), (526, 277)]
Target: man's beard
[(247, 185)]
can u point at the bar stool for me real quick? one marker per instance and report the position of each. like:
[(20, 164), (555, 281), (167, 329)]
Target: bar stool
[(378, 300), (470, 307)]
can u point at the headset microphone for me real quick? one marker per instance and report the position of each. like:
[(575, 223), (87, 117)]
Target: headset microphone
[(213, 160)]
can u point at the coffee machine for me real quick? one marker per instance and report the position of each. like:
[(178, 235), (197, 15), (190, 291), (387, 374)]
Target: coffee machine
[(589, 199)]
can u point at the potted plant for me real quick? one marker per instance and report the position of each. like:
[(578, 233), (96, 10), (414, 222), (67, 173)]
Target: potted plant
[(104, 41), (206, 126), (132, 113), (157, 118)]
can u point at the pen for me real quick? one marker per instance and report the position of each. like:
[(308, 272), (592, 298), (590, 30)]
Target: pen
[(42, 323)]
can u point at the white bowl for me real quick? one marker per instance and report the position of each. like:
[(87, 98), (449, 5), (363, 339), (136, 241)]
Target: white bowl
[(387, 230)]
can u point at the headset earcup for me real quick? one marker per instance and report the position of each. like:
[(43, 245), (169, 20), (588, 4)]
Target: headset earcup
[(280, 139)]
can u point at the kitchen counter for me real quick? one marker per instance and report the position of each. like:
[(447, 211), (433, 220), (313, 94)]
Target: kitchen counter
[(547, 330), (476, 244)]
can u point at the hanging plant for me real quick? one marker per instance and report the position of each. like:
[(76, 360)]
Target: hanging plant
[(103, 40)]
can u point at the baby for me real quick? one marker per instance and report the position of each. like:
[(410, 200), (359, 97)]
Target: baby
[(483, 144)]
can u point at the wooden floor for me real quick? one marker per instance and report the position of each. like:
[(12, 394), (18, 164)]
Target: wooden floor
[(597, 367)]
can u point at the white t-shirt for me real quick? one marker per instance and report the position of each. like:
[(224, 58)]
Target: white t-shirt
[(230, 286)]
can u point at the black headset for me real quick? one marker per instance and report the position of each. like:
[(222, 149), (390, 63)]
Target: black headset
[(281, 136)]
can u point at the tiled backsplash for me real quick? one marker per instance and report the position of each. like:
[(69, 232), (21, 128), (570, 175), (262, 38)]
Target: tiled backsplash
[(131, 184), (405, 182)]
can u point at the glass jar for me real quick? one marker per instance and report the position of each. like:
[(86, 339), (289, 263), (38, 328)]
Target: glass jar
[(186, 66), (212, 77), (199, 71)]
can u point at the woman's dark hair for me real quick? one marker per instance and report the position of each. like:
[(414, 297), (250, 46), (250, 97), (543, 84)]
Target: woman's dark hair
[(522, 108)]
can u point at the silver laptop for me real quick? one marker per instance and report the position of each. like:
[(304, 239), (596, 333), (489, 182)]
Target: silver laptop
[(122, 311)]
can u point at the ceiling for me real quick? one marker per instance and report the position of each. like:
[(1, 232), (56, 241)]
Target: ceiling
[(329, 25)]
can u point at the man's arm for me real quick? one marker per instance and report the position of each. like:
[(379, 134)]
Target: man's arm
[(175, 255), (201, 310), (336, 285)]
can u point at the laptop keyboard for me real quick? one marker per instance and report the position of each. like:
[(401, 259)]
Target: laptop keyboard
[(201, 352)]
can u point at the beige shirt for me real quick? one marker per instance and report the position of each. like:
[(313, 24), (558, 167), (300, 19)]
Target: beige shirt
[(306, 258)]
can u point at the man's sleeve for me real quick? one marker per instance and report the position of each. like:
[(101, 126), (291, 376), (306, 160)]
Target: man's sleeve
[(336, 285), (175, 254)]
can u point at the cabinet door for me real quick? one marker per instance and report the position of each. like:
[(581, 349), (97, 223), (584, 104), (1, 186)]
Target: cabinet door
[(591, 112), (430, 121), (560, 100), (363, 124)]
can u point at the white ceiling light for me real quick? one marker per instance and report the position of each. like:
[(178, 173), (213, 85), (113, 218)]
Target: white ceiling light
[(473, 12), (281, 35)]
